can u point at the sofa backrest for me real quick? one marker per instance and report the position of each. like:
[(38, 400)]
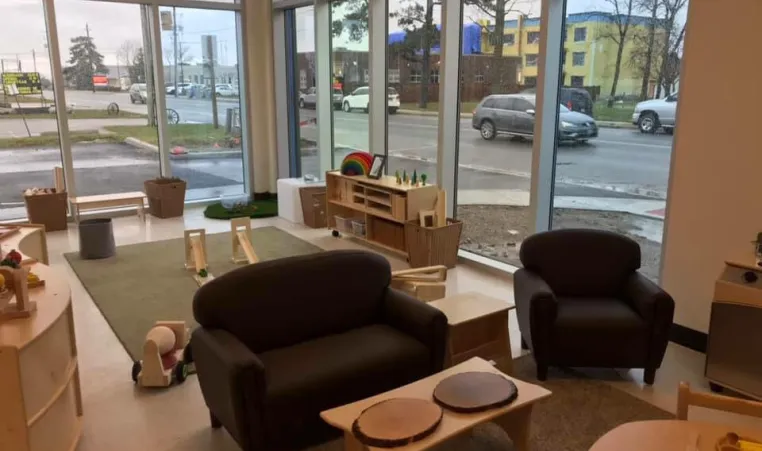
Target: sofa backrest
[(581, 262), (282, 302)]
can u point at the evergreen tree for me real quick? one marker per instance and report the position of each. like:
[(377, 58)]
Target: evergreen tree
[(84, 62)]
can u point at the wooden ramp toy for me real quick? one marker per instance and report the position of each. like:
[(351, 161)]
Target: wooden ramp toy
[(195, 255), (240, 231), (164, 357), (14, 285), (427, 284)]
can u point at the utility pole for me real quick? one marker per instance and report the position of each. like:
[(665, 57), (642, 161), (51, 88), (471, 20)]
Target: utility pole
[(34, 60), (90, 56), (210, 55), (174, 41)]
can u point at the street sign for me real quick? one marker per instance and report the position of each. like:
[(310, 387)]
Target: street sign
[(167, 21), (25, 82), (205, 47)]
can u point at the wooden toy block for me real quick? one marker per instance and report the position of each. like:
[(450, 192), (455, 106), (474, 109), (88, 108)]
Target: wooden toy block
[(426, 284), (163, 355), (240, 231), (195, 255), (15, 286)]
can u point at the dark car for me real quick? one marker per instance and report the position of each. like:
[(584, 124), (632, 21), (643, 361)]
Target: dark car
[(513, 114), (575, 99)]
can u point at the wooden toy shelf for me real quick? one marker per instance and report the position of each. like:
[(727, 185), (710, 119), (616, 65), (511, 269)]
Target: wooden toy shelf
[(375, 211)]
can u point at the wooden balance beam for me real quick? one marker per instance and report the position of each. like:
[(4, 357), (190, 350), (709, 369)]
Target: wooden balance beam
[(427, 284), (195, 255), (240, 231)]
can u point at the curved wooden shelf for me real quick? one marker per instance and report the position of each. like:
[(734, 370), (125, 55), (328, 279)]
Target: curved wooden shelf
[(42, 401)]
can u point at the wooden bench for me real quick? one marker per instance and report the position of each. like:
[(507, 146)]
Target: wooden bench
[(136, 198)]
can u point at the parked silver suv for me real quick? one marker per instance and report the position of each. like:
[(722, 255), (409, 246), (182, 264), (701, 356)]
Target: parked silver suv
[(513, 114), (652, 114)]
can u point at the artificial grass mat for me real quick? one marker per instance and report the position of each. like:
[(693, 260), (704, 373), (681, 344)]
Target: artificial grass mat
[(255, 209)]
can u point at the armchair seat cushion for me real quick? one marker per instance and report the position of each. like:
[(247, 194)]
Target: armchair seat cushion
[(599, 332), (337, 369)]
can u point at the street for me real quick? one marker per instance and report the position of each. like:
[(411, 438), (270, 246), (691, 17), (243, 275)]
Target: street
[(620, 164)]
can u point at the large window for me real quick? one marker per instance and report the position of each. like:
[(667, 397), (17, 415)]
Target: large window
[(414, 49), (104, 48), (580, 34), (495, 141), (205, 130), (608, 174), (305, 66), (350, 59), (29, 148)]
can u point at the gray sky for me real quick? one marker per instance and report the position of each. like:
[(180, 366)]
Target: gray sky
[(110, 26)]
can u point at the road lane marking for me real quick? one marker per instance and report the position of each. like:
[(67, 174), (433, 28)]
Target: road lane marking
[(633, 144)]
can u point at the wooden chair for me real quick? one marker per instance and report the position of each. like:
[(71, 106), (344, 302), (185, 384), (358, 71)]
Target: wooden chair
[(686, 398), (427, 283)]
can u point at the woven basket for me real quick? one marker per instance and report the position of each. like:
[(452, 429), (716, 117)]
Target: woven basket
[(427, 246)]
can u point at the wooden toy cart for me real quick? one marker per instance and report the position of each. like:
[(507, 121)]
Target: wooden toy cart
[(166, 356)]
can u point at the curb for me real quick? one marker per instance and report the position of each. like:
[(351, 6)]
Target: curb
[(601, 124), (187, 156)]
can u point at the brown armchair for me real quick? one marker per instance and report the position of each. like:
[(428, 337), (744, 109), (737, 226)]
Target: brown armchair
[(282, 340), (581, 302)]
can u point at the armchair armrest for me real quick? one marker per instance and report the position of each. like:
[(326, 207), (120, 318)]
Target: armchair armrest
[(536, 309), (656, 307), (421, 321), (232, 380)]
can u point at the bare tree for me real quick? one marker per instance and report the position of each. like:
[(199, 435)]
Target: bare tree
[(652, 6), (420, 34), (496, 11), (621, 17), (127, 51), (184, 58), (670, 60)]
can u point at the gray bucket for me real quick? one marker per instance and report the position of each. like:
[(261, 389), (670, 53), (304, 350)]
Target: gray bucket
[(96, 239)]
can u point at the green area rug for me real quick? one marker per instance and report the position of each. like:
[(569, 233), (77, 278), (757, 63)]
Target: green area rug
[(255, 209), (148, 282), (578, 413)]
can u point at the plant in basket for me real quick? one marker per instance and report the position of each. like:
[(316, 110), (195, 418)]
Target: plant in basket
[(166, 196)]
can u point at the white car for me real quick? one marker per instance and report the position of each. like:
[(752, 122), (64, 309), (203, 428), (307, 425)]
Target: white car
[(360, 99), (226, 90), (652, 114)]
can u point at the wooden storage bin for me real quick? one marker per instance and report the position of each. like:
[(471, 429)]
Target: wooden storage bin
[(313, 206), (47, 209), (428, 246)]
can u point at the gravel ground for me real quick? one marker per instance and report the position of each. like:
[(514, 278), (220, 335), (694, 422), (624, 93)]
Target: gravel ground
[(496, 231)]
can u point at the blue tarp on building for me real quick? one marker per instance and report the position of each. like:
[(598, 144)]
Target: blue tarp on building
[(472, 39)]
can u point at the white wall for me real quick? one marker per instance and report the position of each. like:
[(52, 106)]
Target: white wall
[(715, 198)]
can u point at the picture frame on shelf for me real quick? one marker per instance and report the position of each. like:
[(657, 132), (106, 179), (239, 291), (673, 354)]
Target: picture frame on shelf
[(377, 166)]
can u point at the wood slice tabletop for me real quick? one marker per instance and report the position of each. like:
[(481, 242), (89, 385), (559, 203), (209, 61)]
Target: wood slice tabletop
[(397, 422), (474, 391)]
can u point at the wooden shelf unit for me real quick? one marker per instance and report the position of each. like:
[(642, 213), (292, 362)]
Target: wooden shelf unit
[(41, 407), (382, 204)]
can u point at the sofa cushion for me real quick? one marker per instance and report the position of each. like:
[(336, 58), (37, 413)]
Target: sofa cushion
[(599, 332), (337, 369)]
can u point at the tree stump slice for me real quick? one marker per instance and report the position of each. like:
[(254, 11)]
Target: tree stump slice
[(474, 392), (397, 422)]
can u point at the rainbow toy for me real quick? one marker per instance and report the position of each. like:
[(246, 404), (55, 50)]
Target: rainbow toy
[(356, 163)]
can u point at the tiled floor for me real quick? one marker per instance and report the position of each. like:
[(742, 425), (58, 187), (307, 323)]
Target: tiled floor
[(119, 416)]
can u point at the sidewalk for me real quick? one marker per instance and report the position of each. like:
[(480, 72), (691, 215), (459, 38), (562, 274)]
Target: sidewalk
[(14, 128), (603, 124), (648, 208)]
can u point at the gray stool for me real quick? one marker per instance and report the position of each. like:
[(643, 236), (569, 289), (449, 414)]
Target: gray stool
[(96, 239)]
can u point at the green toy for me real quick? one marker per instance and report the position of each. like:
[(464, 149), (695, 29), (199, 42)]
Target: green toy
[(203, 273), (423, 179), (397, 176), (414, 181), (404, 176)]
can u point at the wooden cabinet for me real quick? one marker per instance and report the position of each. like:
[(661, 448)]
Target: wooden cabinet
[(382, 206), (40, 398)]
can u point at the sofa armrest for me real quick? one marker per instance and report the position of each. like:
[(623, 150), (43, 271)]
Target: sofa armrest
[(232, 380), (656, 307), (421, 321), (536, 309)]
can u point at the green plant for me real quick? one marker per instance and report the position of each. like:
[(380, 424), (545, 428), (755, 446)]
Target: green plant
[(414, 180), (203, 273), (423, 179)]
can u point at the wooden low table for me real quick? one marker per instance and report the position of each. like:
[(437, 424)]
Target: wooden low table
[(669, 435), (514, 418), (134, 198), (478, 327)]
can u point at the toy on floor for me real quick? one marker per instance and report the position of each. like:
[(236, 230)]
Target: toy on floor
[(166, 356), (195, 255), (427, 284), (240, 231)]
